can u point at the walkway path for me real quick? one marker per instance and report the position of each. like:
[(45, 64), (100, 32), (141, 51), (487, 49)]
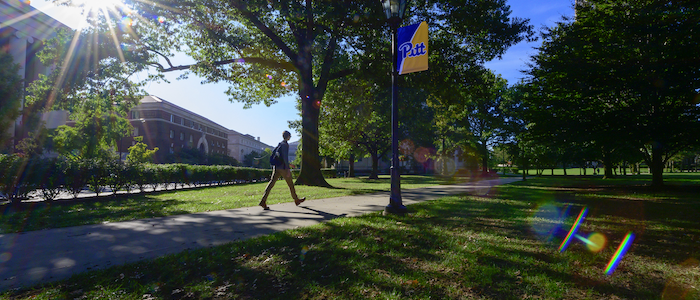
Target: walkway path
[(48, 255)]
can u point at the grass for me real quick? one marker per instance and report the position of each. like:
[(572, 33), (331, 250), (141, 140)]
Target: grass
[(499, 246), (67, 213)]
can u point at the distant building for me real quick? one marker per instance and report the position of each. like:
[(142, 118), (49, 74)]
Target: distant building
[(172, 128), (240, 145), (293, 147), (23, 30)]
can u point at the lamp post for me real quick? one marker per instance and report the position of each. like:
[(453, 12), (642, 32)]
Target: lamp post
[(395, 10)]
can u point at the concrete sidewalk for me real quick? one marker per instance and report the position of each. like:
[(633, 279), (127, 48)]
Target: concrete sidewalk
[(47, 255)]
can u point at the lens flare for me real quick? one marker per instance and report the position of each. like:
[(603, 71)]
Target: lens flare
[(161, 20), (546, 221), (597, 242), (125, 23), (304, 250), (5, 257), (621, 251), (445, 166), (573, 230), (406, 147), (422, 154)]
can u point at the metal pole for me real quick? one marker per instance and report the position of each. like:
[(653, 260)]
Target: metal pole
[(395, 202)]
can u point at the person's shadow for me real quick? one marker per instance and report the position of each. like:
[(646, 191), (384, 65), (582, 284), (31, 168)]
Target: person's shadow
[(325, 215)]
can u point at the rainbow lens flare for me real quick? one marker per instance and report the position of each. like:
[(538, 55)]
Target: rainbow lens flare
[(621, 250), (573, 230)]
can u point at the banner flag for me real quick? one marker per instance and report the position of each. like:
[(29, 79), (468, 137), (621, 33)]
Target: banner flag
[(413, 48)]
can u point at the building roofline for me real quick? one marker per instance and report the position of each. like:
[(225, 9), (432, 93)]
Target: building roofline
[(30, 12), (176, 108)]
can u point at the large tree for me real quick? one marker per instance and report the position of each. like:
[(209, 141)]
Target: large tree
[(356, 121), (620, 74), (484, 116), (267, 49)]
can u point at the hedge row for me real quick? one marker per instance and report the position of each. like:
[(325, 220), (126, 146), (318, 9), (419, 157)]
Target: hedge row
[(327, 173), (49, 178)]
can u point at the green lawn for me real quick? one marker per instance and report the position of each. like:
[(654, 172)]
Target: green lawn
[(499, 246), (68, 213)]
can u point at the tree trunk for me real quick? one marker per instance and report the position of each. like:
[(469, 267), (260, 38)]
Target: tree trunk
[(352, 166), (485, 158), (310, 173), (656, 167), (607, 165), (375, 166)]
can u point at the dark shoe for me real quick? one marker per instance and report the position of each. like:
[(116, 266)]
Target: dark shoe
[(297, 202)]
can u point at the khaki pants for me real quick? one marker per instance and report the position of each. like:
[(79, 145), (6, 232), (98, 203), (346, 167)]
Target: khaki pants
[(276, 174)]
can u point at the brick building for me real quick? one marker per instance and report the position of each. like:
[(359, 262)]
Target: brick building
[(172, 128)]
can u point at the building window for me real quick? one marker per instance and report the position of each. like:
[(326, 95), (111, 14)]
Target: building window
[(172, 118), (172, 134), (182, 136), (191, 139), (134, 114), (136, 131), (172, 150)]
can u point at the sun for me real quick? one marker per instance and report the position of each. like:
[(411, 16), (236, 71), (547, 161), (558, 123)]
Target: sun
[(96, 5), (93, 8)]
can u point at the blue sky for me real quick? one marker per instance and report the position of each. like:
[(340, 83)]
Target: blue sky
[(268, 123)]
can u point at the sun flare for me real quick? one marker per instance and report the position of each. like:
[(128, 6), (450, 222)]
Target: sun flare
[(97, 5), (107, 8)]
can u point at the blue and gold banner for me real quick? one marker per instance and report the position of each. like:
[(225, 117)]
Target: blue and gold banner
[(413, 48)]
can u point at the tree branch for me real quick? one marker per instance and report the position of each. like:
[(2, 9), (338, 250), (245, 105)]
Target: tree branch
[(286, 66), (326, 68), (162, 55), (266, 30)]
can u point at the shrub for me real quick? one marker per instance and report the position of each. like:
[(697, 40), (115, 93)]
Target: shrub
[(52, 182), (75, 176)]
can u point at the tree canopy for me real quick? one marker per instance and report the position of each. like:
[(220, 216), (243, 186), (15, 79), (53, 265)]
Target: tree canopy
[(621, 74)]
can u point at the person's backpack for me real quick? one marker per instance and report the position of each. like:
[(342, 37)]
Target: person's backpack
[(274, 159)]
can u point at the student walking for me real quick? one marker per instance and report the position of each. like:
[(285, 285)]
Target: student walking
[(280, 167)]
